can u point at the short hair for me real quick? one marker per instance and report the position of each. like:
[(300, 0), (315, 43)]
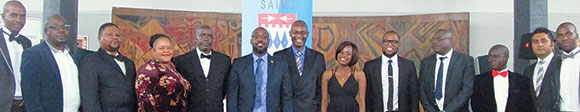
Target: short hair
[(299, 21), (546, 31), (342, 45), (198, 30), (393, 32), (105, 26), (569, 24), (155, 37)]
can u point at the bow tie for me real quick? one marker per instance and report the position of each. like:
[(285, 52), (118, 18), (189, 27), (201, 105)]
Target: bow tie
[(205, 56), (118, 57), (571, 55), (495, 73), (12, 37)]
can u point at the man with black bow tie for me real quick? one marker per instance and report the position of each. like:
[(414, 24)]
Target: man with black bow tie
[(12, 44), (207, 71), (501, 90), (107, 78)]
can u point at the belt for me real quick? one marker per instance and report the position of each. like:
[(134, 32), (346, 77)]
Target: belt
[(18, 103)]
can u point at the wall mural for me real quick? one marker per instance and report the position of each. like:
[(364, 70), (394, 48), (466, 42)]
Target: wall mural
[(416, 31)]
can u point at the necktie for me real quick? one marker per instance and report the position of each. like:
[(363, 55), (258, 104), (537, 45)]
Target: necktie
[(539, 77), (118, 57), (438, 88), (205, 56), (259, 85), (12, 37), (299, 63), (390, 102), (571, 55), (496, 73)]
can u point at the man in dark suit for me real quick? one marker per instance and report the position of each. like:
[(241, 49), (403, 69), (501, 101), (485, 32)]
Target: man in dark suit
[(207, 72), (544, 74), (446, 77), (306, 67), (259, 82), (49, 71), (501, 90), (391, 80), (107, 78), (12, 44)]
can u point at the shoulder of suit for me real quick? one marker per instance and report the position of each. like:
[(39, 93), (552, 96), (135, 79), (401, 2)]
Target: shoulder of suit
[(314, 51), (188, 54), (373, 60), (219, 54), (283, 50)]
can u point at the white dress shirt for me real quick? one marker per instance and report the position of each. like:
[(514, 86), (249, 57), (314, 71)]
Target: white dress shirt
[(569, 79), (15, 51), (69, 78), (501, 91), (204, 62), (120, 63), (445, 68), (547, 61), (385, 80)]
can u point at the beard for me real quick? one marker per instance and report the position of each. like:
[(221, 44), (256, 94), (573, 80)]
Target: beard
[(389, 55), (259, 51)]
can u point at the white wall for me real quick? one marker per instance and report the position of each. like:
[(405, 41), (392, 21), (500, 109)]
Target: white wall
[(491, 20)]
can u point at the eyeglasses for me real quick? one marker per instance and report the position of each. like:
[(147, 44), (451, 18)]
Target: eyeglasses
[(58, 27), (390, 41), (299, 32), (438, 39)]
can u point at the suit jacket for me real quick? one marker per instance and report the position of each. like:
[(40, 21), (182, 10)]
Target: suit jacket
[(206, 94), (305, 88), (103, 85), (41, 82), (519, 96), (549, 98), (6, 76), (459, 83), (408, 86), (242, 88)]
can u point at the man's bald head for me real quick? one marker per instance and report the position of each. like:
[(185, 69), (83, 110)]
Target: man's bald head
[(14, 16), (498, 56)]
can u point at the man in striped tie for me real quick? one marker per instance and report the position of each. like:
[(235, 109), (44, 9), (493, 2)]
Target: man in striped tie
[(545, 72), (306, 67)]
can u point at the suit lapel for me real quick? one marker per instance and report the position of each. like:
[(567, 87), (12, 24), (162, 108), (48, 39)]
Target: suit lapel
[(308, 61), (6, 55), (109, 60), (379, 81), (490, 90), (271, 74), (430, 69), (212, 64), (453, 60), (196, 64)]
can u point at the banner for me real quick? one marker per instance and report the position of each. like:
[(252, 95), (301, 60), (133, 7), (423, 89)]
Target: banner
[(277, 17)]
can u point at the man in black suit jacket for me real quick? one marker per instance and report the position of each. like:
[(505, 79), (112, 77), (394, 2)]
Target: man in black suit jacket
[(107, 78), (545, 73), (500, 89), (390, 97), (207, 72), (259, 82), (12, 44), (306, 67), (446, 88), (49, 71)]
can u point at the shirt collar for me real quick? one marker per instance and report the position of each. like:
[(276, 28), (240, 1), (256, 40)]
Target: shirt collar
[(8, 31), (199, 52), (547, 59), (54, 50), (448, 55), (386, 59), (296, 50), (573, 51), (265, 57)]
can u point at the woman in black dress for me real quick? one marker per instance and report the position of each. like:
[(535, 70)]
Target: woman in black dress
[(344, 87)]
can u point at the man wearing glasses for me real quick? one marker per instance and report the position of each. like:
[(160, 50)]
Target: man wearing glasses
[(50, 75)]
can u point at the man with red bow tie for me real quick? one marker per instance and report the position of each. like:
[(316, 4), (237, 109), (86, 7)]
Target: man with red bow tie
[(501, 90)]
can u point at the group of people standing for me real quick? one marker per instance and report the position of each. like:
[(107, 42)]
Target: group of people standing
[(54, 77)]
